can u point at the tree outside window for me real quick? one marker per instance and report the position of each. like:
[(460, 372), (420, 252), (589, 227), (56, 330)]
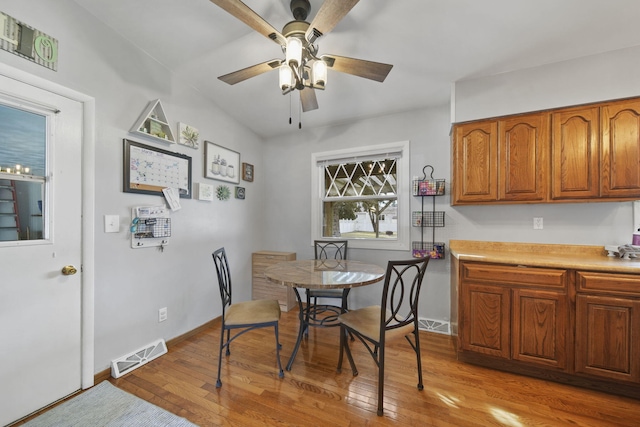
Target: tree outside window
[(360, 199)]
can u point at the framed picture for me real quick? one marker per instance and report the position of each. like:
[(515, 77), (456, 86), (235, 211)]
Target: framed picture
[(221, 163), (247, 172), (149, 170), (205, 192), (188, 135), (240, 193)]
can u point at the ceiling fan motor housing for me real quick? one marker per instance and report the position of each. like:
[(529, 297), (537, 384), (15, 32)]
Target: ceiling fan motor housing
[(300, 9)]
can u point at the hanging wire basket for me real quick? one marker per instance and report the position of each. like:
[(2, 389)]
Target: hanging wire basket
[(427, 218), (434, 250), (428, 187)]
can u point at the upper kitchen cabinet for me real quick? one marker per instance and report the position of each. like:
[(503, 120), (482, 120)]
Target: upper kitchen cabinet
[(475, 164), (523, 147), (501, 160), (578, 154), (575, 154), (621, 149)]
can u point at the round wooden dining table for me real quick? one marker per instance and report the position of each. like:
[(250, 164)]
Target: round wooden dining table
[(321, 274)]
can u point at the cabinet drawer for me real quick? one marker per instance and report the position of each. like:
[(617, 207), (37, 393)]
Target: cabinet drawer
[(609, 283), (527, 276)]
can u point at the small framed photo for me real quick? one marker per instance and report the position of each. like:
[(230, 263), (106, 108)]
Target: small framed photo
[(221, 163), (247, 172), (188, 135), (205, 192), (240, 193)]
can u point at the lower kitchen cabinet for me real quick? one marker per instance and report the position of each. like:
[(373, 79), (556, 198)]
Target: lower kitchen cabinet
[(539, 327), (514, 313), (566, 313), (608, 326)]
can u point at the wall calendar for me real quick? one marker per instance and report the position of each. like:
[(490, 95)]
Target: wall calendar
[(149, 170)]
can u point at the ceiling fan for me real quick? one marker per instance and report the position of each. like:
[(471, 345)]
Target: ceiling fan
[(302, 68)]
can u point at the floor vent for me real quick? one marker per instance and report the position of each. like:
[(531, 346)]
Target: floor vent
[(131, 361), (437, 326)]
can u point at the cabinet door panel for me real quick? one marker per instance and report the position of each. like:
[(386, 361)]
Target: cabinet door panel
[(475, 162), (621, 149), (607, 337), (523, 142), (540, 322), (484, 319), (575, 159)]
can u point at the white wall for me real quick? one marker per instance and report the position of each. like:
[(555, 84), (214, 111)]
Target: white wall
[(131, 285), (610, 75)]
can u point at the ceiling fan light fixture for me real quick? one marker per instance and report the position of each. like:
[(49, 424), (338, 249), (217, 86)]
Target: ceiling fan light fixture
[(285, 78), (294, 51), (319, 74)]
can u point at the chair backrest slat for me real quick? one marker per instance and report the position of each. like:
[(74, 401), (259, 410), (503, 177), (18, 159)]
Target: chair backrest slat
[(401, 292), (330, 249), (224, 276)]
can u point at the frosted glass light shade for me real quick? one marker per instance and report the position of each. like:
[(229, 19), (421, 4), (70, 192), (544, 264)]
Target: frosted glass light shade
[(285, 77), (294, 51), (319, 74)]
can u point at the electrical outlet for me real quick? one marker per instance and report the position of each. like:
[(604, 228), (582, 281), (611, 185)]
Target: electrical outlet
[(162, 314), (537, 224)]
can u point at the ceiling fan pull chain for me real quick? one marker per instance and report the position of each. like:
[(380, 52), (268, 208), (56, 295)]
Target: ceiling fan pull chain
[(290, 108), (300, 114)]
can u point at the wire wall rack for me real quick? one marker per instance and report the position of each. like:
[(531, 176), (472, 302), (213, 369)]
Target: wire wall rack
[(428, 187)]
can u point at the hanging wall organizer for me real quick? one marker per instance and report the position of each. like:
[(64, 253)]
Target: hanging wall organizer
[(425, 219)]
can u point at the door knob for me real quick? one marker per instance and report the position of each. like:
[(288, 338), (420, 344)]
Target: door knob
[(69, 270)]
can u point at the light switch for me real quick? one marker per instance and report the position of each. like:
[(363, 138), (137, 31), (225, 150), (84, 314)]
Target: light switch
[(111, 223)]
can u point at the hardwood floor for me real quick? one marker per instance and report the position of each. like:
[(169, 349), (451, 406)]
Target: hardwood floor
[(313, 394)]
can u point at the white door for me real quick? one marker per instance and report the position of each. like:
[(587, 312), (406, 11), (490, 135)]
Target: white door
[(40, 307)]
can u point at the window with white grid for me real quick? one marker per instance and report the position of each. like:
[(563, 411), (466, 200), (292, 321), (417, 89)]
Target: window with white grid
[(362, 195)]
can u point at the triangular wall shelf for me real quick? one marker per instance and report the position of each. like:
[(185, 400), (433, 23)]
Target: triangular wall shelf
[(153, 123)]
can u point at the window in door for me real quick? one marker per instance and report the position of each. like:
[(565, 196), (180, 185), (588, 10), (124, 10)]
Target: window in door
[(23, 146)]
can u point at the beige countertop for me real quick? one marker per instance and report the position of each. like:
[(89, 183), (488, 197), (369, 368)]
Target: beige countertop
[(575, 257)]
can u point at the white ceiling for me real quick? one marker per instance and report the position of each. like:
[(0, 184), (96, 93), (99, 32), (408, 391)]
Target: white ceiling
[(431, 43)]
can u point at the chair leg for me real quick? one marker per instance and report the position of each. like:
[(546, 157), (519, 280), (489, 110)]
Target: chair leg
[(228, 342), (342, 333), (418, 358), (278, 345), (218, 382), (380, 379), (306, 322), (343, 336)]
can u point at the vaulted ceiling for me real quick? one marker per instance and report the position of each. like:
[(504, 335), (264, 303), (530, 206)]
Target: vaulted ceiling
[(431, 44)]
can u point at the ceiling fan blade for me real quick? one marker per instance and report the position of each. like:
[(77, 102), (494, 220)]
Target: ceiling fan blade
[(330, 13), (251, 18), (247, 73), (308, 99), (358, 67)]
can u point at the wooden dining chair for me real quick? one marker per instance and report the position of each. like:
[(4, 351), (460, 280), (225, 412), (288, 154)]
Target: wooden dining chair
[(395, 317), (244, 316), (327, 249)]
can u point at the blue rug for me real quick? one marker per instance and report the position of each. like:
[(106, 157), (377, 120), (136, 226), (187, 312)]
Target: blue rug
[(105, 405)]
